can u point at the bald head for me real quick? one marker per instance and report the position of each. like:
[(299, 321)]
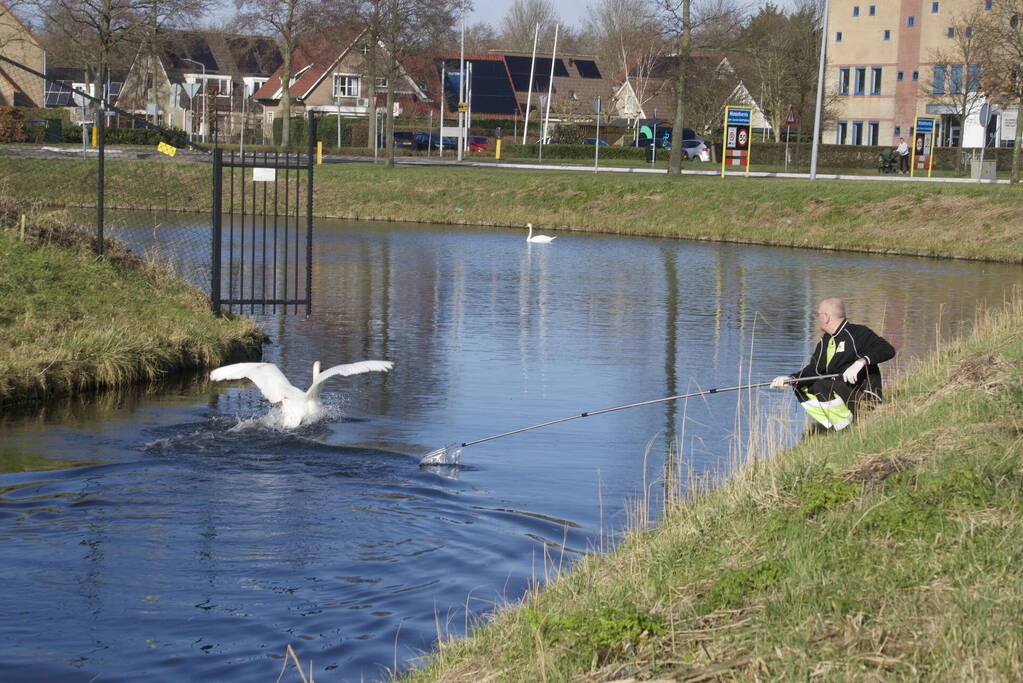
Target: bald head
[(830, 314)]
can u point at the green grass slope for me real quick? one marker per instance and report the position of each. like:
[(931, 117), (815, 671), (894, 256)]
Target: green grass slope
[(70, 322), (891, 551)]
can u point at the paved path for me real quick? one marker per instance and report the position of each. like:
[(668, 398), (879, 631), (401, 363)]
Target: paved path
[(144, 153)]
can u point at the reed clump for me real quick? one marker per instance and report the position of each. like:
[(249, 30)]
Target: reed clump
[(70, 322), (888, 551)]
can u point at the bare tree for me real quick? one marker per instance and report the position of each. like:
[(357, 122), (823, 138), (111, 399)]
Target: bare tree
[(520, 21), (1000, 33), (288, 22), (399, 30), (97, 32), (480, 37), (690, 25)]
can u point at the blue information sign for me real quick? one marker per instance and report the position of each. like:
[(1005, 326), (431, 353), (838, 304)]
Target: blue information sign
[(924, 125), (738, 117)]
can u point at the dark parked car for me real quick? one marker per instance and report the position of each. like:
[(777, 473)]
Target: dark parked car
[(591, 141), (433, 141), (403, 139)]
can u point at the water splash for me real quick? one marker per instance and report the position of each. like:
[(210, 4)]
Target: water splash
[(448, 455)]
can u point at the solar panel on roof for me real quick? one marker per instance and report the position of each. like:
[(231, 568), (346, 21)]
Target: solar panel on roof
[(491, 91), (587, 68), (519, 69)]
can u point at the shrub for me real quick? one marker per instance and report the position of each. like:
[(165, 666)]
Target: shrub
[(326, 131), (12, 125)]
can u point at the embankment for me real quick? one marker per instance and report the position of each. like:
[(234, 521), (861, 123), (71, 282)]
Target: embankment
[(70, 322), (928, 219), (890, 551)]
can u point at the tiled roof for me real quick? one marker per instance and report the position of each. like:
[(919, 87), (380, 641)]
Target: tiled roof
[(316, 55)]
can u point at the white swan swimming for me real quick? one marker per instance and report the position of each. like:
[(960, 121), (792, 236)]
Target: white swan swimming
[(538, 239), (297, 407)]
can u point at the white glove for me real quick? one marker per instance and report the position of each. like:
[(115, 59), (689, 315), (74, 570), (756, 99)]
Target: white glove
[(853, 371), (780, 381)]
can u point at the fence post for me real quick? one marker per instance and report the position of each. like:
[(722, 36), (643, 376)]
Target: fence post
[(218, 183), (311, 130), (101, 128)]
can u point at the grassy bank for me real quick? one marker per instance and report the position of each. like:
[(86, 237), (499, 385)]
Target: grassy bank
[(952, 220), (892, 551), (69, 322)]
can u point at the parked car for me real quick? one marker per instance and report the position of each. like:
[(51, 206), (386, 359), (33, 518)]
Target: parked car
[(696, 149), (592, 141), (433, 141), (403, 139), (479, 143), (547, 141), (662, 142)]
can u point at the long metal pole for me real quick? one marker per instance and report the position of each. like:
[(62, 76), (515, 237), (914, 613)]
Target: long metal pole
[(820, 94), (461, 88), (529, 93), (550, 88), (705, 392)]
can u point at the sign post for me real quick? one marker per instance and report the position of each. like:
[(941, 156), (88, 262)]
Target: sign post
[(985, 119), (790, 120), (597, 105), (736, 138), (923, 144)]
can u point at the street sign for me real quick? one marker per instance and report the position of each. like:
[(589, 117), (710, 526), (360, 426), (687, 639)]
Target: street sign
[(597, 106), (463, 107), (736, 138), (923, 145), (790, 118), (985, 115)]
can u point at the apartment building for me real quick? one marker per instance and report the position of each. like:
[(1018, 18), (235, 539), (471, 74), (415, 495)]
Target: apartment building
[(882, 72)]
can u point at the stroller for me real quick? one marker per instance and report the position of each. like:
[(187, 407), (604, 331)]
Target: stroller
[(888, 161)]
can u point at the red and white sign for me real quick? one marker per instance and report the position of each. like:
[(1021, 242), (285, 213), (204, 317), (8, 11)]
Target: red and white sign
[(790, 118)]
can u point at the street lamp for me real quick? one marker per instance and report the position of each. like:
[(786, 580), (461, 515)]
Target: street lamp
[(203, 124)]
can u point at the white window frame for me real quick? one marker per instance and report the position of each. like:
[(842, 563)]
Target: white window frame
[(348, 80)]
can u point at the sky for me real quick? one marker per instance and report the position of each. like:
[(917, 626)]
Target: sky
[(571, 11)]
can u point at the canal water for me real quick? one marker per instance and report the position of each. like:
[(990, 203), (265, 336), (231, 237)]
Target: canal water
[(169, 533)]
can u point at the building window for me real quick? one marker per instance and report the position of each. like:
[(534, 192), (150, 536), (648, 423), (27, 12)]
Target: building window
[(939, 80), (898, 75), (973, 82), (838, 36), (875, 80), (955, 81), (381, 83), (872, 11), (987, 5), (887, 34), (346, 85), (873, 133), (898, 131), (968, 31), (916, 75), (951, 31), (856, 10), (911, 21), (843, 81), (934, 8), (857, 133), (843, 130), (860, 84)]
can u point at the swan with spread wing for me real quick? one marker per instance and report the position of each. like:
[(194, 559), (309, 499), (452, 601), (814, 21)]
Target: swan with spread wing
[(297, 407)]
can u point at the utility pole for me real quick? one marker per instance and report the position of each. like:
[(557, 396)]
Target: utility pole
[(820, 94)]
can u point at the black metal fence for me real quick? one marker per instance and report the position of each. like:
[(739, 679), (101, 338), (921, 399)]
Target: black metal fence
[(263, 230)]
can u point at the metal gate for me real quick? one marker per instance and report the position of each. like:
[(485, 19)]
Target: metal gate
[(263, 236)]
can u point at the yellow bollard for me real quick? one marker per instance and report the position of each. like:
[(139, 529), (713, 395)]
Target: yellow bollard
[(95, 136), (497, 148), (319, 152)]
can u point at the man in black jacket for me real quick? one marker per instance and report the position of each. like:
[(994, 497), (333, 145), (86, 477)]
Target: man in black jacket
[(855, 351)]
